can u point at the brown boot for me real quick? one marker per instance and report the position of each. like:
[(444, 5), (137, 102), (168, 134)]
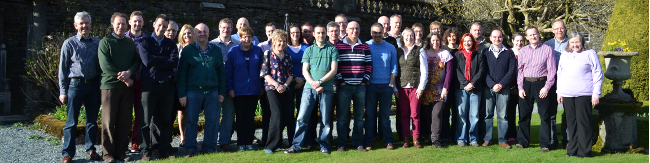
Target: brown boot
[(406, 143), (416, 143)]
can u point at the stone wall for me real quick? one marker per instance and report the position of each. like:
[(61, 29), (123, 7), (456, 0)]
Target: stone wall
[(19, 23)]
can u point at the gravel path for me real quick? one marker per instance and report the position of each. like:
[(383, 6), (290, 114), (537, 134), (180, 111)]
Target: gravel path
[(16, 146)]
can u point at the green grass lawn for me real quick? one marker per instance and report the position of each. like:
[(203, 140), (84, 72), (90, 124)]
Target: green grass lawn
[(450, 153)]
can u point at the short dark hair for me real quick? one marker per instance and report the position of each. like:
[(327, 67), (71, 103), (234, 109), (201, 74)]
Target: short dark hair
[(117, 14), (377, 25), (343, 16), (306, 24), (270, 24), (163, 17), (531, 27)]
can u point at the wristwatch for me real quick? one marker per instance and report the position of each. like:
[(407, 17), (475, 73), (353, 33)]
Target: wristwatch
[(320, 82), (285, 84), (390, 85)]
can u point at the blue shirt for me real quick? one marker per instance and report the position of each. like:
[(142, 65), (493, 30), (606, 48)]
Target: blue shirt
[(78, 59), (558, 47), (224, 48), (154, 37), (384, 62), (236, 37), (296, 60)]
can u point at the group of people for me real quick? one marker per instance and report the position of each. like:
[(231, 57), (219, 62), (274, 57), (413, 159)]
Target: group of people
[(328, 68)]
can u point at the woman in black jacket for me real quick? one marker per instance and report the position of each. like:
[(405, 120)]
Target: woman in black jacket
[(470, 71)]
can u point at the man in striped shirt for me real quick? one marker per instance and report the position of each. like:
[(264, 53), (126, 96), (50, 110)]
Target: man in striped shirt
[(535, 77), (353, 76)]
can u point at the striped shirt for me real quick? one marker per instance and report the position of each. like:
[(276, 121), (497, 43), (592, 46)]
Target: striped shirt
[(356, 62), (535, 63)]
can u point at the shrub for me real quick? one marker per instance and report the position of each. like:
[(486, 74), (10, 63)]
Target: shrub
[(629, 23)]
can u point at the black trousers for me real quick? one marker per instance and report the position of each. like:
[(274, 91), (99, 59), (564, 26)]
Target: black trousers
[(155, 125), (433, 124), (544, 109), (578, 117), (511, 113), (245, 107), (449, 110), (281, 112), (266, 116)]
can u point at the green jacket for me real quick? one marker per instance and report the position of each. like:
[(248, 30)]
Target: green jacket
[(198, 75), (116, 55)]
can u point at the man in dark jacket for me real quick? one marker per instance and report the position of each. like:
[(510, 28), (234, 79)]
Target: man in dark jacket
[(159, 58)]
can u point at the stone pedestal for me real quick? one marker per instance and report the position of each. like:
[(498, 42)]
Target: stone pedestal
[(618, 131), (617, 110)]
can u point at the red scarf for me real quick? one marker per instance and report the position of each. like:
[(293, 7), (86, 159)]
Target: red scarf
[(468, 64)]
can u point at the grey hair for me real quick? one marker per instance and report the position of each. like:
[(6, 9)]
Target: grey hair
[(580, 37), (81, 15), (174, 23), (377, 25), (332, 24)]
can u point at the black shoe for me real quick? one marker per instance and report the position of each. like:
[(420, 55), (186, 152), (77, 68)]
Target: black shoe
[(437, 144), (325, 151)]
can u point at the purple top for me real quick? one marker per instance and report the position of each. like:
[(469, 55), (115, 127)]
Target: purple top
[(535, 63), (579, 74)]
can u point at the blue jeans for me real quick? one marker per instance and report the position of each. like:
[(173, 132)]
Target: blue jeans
[(382, 94), (89, 95), (210, 104), (356, 93), (500, 101), (227, 120), (468, 105), (309, 100)]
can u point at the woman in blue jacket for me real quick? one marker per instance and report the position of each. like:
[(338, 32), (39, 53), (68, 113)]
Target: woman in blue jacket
[(243, 83)]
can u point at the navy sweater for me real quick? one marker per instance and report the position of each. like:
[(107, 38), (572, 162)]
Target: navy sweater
[(500, 70), (242, 78), (158, 60)]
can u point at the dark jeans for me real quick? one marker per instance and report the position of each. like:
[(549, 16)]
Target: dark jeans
[(281, 112), (356, 94), (117, 110), (378, 95), (245, 107), (155, 115), (553, 103), (209, 103), (543, 108), (578, 117), (87, 94)]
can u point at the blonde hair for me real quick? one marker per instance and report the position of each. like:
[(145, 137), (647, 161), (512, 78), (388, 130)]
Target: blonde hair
[(277, 35), (180, 39)]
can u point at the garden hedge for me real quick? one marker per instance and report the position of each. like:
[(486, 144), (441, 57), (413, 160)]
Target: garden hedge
[(629, 23)]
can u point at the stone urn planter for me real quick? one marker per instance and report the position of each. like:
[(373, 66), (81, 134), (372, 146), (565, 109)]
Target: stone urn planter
[(617, 110)]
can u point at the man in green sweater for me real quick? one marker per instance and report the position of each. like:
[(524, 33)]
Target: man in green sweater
[(119, 60), (201, 84)]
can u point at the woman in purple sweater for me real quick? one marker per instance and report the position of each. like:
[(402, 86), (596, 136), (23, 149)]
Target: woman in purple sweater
[(441, 68), (579, 79)]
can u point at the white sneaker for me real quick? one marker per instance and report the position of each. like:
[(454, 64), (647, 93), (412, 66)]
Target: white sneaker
[(249, 147), (241, 148)]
